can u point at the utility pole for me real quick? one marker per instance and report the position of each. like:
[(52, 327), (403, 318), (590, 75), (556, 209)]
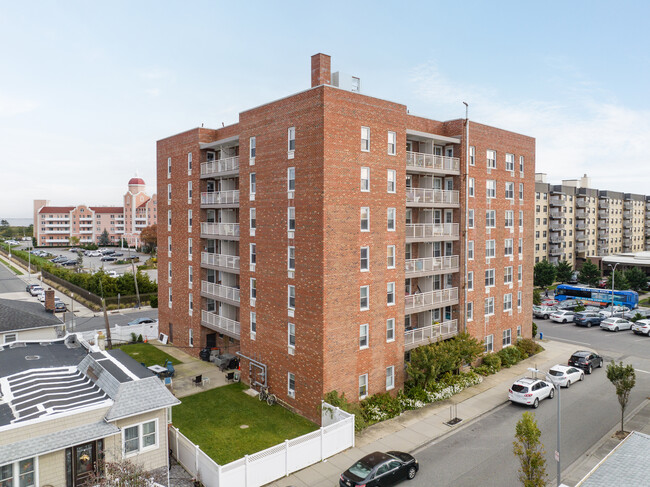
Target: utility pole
[(135, 278), (109, 343)]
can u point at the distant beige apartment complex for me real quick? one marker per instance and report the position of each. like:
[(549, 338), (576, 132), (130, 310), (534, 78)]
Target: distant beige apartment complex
[(55, 225), (574, 221)]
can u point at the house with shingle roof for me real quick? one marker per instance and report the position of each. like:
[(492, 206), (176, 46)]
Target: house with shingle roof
[(66, 406), (27, 321)]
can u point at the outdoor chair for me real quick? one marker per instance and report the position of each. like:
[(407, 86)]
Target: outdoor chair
[(170, 368), (168, 383), (198, 380), (230, 376)]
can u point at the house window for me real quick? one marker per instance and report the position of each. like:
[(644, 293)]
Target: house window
[(291, 292), (364, 298), (521, 192), (507, 337), (363, 336), (519, 272), (489, 343), (291, 258), (252, 148), (189, 248), (490, 249), (252, 183), (291, 385), (470, 218), (390, 377), (253, 254), (291, 179), (291, 335), (140, 437), (365, 219), (390, 330), (507, 302), (472, 155), (521, 219), (190, 275), (291, 139), (507, 275), (253, 316), (18, 474), (253, 288), (508, 247), (392, 143), (491, 159), (189, 191), (169, 167), (390, 217), (489, 306), (169, 271), (253, 221), (189, 163), (189, 220), (520, 248), (364, 256), (365, 139), (363, 386), (365, 179), (519, 331), (470, 311), (390, 257), (390, 293), (169, 194), (10, 337), (391, 185), (489, 277), (491, 188), (191, 337), (519, 295), (510, 162), (521, 164), (470, 187), (490, 219), (510, 191), (470, 250), (470, 281), (291, 218)]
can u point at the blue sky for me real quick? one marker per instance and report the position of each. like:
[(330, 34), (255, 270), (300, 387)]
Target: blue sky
[(86, 88)]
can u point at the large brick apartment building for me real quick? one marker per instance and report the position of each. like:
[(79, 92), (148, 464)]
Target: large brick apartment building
[(323, 237)]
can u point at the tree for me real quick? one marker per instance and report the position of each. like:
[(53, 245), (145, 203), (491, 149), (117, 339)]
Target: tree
[(619, 281), (149, 237), (589, 274), (532, 472), (537, 297), (544, 274), (636, 279), (4, 223), (74, 241), (104, 239), (123, 473), (564, 271), (624, 379)]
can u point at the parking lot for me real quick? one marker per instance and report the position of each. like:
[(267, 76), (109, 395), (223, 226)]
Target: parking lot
[(93, 264)]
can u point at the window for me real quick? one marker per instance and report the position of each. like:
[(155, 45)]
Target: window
[(392, 143), (470, 311), (470, 281), (140, 437), (291, 179), (291, 385), (364, 257), (169, 193), (507, 275), (252, 183), (519, 331), (470, 250), (521, 192), (10, 337), (520, 248), (191, 332), (291, 218), (252, 149), (189, 248), (391, 178), (291, 136), (291, 335), (18, 474), (490, 219), (190, 276), (489, 277), (489, 343), (390, 219), (521, 219), (521, 164), (291, 258), (390, 330), (507, 337), (491, 188), (253, 254), (510, 191), (189, 163), (364, 298), (253, 324), (390, 257), (519, 273), (472, 155), (470, 187), (489, 306), (189, 191), (363, 336), (189, 220), (507, 302), (470, 218), (507, 247), (390, 377), (363, 386), (390, 293), (491, 159), (291, 292), (365, 139), (365, 219), (510, 162), (365, 179), (490, 249), (253, 288), (169, 167), (253, 221), (519, 296)]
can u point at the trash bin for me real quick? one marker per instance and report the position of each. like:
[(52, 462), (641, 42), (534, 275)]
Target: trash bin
[(204, 354)]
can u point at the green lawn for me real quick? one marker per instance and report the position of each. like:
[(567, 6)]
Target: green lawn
[(212, 420), (150, 355)]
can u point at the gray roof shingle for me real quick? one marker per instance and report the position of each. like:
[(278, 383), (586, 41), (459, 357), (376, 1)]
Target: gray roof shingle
[(140, 396), (24, 315)]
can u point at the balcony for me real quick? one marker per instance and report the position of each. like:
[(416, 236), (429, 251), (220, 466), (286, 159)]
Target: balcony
[(432, 163), (414, 303), (430, 334), (581, 226), (581, 215), (628, 233), (555, 226), (603, 222), (627, 247), (581, 237), (555, 201), (86, 232), (220, 198), (220, 292), (556, 214), (221, 261), (628, 205), (627, 214), (57, 240), (628, 224), (56, 232), (581, 203), (581, 248), (56, 219), (220, 168), (423, 232), (57, 225), (603, 203), (603, 214), (555, 251), (212, 230), (556, 239), (647, 215), (431, 265), (647, 232), (220, 324), (432, 197), (603, 250)]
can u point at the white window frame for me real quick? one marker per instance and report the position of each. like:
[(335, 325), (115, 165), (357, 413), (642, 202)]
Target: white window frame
[(140, 448), (390, 330), (291, 256), (252, 184), (490, 249), (510, 190), (470, 218), (470, 311), (253, 289), (291, 179), (508, 247), (253, 325), (390, 377), (291, 140), (391, 181), (189, 191), (190, 248), (472, 155), (488, 342), (390, 257), (363, 386), (16, 473), (507, 274), (291, 333), (365, 179), (169, 193), (521, 192), (507, 302), (489, 278), (365, 268), (507, 338), (521, 165), (252, 220), (365, 209), (470, 250), (490, 218), (390, 294), (169, 167), (291, 293), (365, 139), (491, 188), (252, 256), (252, 146), (189, 220), (489, 306), (510, 162), (364, 290), (189, 163), (520, 273), (291, 218), (470, 187), (491, 158), (390, 221), (190, 339), (291, 388), (190, 276), (392, 143), (519, 299), (364, 336), (470, 280)]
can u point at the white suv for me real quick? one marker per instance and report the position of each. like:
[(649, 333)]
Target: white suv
[(562, 316), (530, 391)]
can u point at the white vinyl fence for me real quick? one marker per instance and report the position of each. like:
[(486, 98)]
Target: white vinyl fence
[(122, 334), (336, 435)]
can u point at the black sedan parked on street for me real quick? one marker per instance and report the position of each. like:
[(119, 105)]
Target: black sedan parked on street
[(380, 469), (586, 360)]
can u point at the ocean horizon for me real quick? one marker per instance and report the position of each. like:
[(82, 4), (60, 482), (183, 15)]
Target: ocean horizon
[(19, 222)]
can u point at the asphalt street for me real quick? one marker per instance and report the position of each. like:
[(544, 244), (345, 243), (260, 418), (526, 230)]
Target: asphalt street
[(9, 283), (114, 318)]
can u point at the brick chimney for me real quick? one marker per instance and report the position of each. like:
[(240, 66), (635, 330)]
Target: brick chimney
[(49, 300), (321, 71)]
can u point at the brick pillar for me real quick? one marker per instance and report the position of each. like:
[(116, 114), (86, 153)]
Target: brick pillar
[(321, 71), (49, 300)]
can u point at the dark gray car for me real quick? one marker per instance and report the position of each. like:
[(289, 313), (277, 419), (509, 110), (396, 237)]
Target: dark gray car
[(587, 318)]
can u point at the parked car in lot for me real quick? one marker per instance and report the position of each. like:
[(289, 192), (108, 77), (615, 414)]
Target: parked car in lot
[(615, 324), (543, 312), (569, 304), (530, 391), (641, 327), (549, 302), (587, 318), (586, 360), (565, 376), (59, 259), (619, 311), (562, 316), (69, 262), (35, 290), (29, 287), (644, 312), (379, 469), (60, 307), (41, 297), (142, 321), (117, 254), (92, 253), (108, 258)]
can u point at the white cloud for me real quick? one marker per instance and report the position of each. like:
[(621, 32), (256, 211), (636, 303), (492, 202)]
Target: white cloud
[(11, 106), (153, 92)]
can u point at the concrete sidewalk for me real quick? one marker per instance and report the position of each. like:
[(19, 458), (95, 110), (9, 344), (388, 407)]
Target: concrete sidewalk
[(414, 429)]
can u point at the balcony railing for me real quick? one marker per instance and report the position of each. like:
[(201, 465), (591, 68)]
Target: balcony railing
[(556, 239), (627, 214), (213, 168), (555, 251), (603, 214), (555, 226), (220, 198), (628, 205), (430, 161), (220, 323), (581, 226), (431, 230), (220, 229), (220, 291), (432, 264), (581, 214), (432, 196), (581, 248), (57, 232), (581, 236), (554, 201), (430, 334), (431, 299), (603, 203), (581, 203), (220, 260)]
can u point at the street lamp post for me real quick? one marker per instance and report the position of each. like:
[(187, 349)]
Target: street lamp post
[(613, 276)]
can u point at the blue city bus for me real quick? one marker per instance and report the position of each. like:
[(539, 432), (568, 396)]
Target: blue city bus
[(597, 297)]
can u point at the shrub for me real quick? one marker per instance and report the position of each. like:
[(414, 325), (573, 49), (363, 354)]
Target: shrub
[(153, 301), (484, 370), (534, 329), (510, 356), (140, 339), (579, 308), (134, 338), (528, 347), (492, 360), (637, 317)]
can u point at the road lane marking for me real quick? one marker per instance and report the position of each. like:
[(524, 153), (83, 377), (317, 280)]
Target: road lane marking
[(644, 371), (569, 341)]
